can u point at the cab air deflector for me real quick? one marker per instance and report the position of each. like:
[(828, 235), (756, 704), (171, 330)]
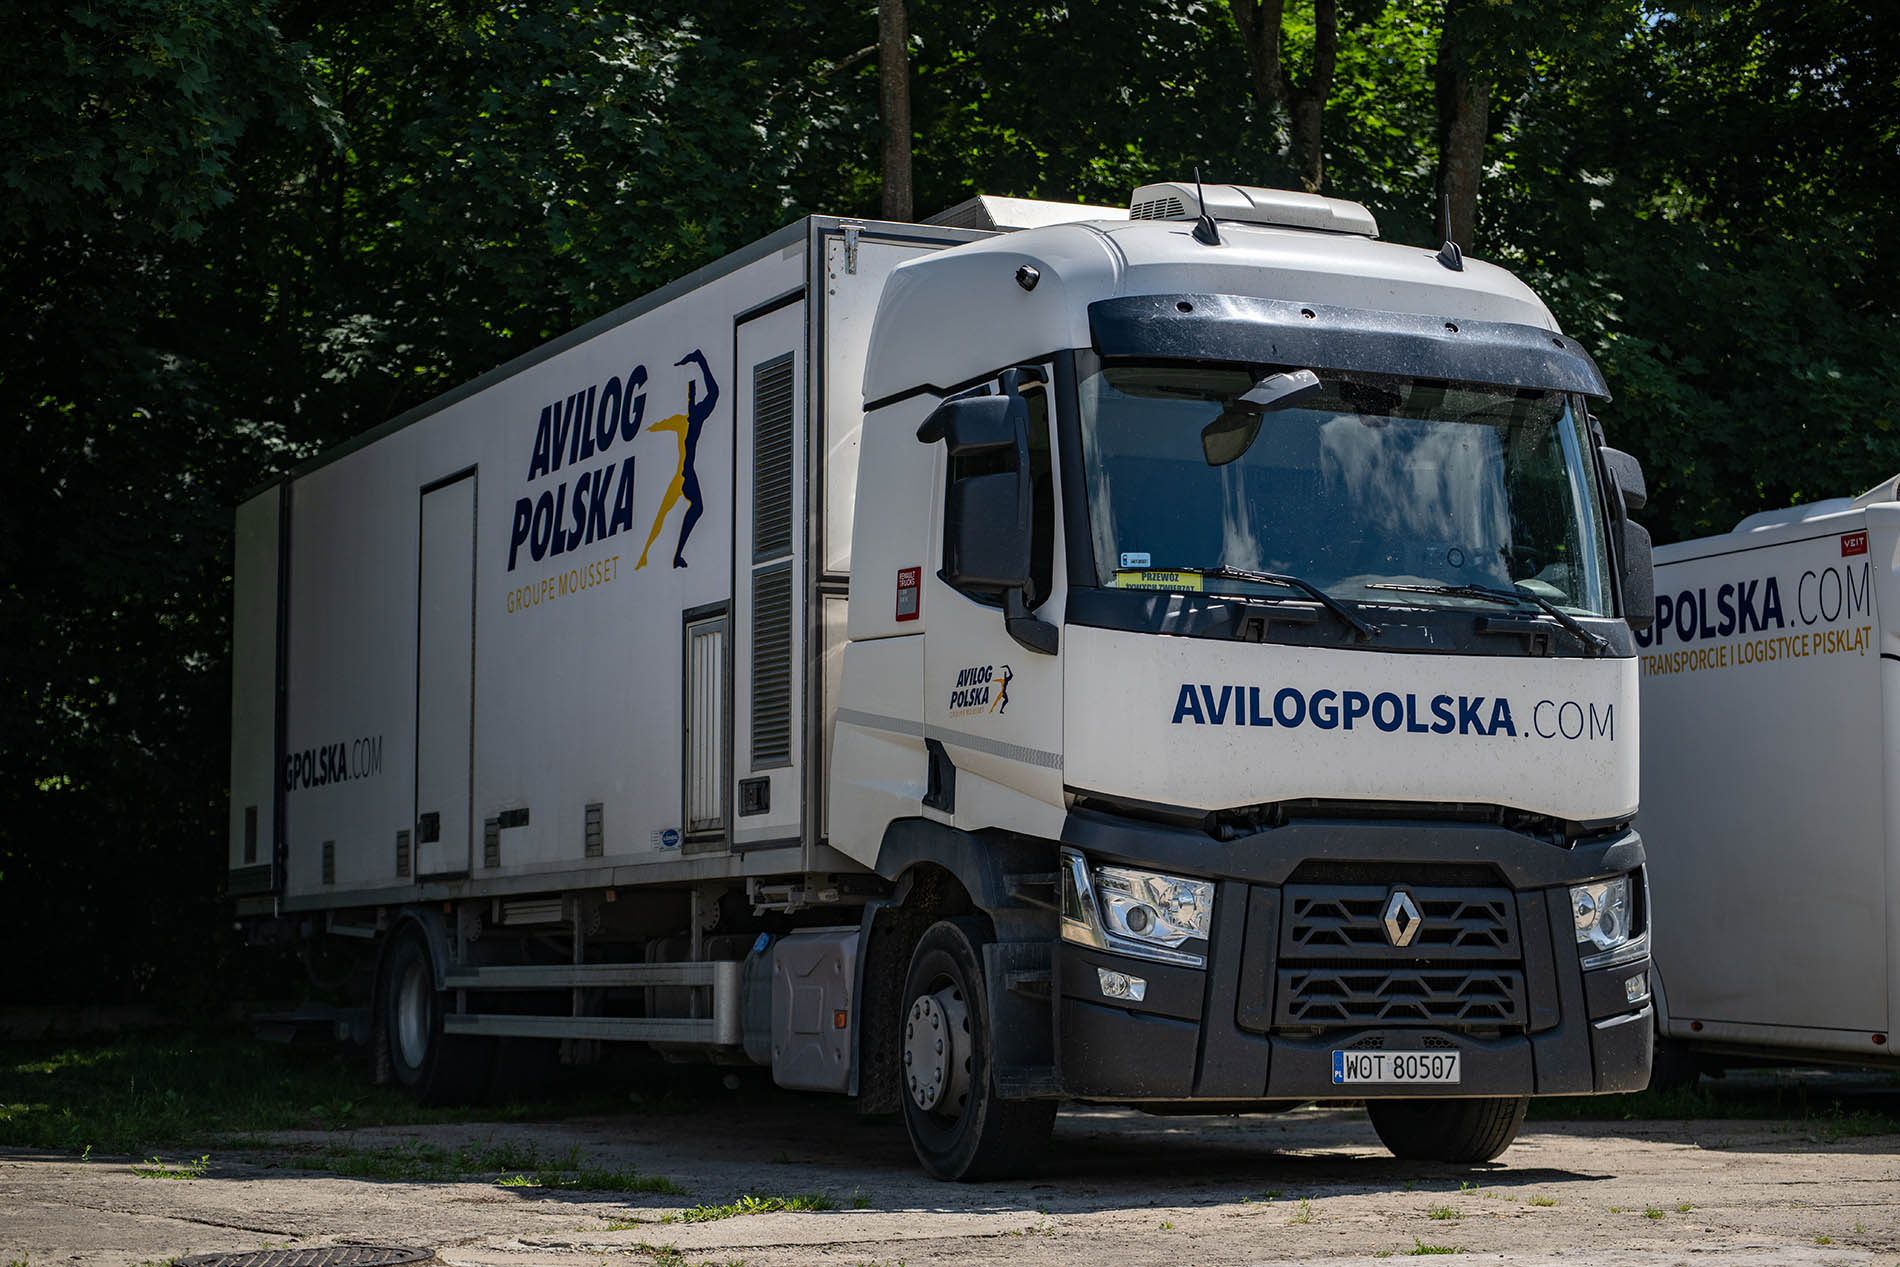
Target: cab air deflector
[(1256, 331)]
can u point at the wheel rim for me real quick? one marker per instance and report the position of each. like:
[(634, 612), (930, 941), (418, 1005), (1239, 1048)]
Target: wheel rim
[(413, 991), (937, 1052)]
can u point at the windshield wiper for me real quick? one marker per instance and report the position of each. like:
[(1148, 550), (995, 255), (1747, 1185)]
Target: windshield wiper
[(1312, 591), (1597, 644)]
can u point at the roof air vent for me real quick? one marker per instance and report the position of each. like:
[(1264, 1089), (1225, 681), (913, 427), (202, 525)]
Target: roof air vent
[(1245, 204)]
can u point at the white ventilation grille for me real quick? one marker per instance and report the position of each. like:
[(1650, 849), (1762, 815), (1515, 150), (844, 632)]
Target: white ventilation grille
[(1158, 209), (772, 666), (772, 384), (705, 725)]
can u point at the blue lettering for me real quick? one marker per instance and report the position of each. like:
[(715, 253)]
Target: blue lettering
[(1289, 707), (1685, 616), (1325, 712), (1468, 719), (1413, 726), (623, 500), (1216, 713), (607, 421), (560, 513), (1379, 704), (1725, 603), (636, 403), (1750, 619), (1441, 709), (597, 504), (563, 421), (538, 461), (583, 444), (1254, 717), (518, 533), (1363, 704), (543, 525), (1501, 718), (1188, 706), (1771, 604), (1703, 628), (582, 486), (1665, 608)]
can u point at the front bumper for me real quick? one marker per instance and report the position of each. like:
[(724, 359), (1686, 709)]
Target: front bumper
[(1262, 1020)]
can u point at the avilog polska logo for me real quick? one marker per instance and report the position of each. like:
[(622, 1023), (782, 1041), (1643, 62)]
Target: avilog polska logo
[(1203, 704), (588, 424), (982, 688)]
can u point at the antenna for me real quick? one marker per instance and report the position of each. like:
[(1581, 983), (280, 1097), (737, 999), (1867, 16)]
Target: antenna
[(1204, 230), (1449, 255)]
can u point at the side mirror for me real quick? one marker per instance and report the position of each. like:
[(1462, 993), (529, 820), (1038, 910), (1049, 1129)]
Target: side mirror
[(986, 520), (1626, 473), (1639, 576), (988, 523)]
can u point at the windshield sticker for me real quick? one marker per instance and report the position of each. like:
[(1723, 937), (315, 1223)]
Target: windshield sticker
[(1132, 579), (1134, 559)]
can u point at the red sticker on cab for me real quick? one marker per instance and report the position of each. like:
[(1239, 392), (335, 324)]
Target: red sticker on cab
[(1853, 543), (908, 580)]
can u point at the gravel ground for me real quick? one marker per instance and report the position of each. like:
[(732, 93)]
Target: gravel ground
[(1121, 1187)]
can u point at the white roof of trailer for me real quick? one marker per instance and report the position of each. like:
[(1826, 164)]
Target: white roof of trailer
[(993, 321)]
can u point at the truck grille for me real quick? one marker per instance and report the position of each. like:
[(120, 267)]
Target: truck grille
[(1336, 966), (1400, 996)]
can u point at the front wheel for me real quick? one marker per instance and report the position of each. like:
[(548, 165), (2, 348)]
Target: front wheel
[(1448, 1130), (958, 1125)]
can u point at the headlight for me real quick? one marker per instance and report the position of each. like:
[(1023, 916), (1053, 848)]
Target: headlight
[(1139, 913), (1607, 922)]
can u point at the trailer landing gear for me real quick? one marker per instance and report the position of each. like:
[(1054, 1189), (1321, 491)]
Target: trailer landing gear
[(1448, 1130), (958, 1125)]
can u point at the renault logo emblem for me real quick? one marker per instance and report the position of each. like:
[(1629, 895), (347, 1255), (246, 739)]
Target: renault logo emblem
[(1402, 919)]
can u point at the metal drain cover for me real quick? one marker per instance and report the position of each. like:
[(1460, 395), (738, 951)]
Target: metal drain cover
[(314, 1256)]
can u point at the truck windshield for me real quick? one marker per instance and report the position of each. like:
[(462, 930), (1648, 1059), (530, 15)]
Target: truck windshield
[(1366, 482)]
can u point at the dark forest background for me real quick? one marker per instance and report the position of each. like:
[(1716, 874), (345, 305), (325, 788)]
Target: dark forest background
[(233, 232)]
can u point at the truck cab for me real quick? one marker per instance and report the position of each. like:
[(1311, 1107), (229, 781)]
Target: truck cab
[(1240, 690)]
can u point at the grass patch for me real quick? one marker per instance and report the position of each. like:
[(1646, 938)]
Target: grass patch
[(1542, 1200), (1306, 1212), (749, 1204), (156, 1169), (1420, 1247), (135, 1092), (1651, 1212), (1445, 1212)]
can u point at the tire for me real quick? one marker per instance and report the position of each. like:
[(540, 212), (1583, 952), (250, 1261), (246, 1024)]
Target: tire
[(1673, 1067), (958, 1126), (434, 1067), (1463, 1131)]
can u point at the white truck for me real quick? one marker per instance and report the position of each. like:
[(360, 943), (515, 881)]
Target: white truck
[(1769, 713), (1178, 657)]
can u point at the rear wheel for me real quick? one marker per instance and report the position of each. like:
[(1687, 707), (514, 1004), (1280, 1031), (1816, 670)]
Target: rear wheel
[(1448, 1130), (434, 1067), (958, 1125)]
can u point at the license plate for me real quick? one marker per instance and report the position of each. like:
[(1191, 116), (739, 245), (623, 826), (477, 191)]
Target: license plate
[(1439, 1067)]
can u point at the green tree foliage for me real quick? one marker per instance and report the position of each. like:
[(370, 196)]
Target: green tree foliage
[(236, 231)]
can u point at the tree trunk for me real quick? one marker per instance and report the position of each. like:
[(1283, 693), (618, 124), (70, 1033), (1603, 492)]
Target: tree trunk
[(1275, 89), (893, 75), (1464, 124), (1259, 23), (1306, 102)]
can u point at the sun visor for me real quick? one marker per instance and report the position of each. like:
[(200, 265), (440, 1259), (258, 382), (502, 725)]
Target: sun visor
[(1259, 331)]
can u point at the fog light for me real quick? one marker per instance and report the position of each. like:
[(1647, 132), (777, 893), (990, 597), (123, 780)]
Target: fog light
[(1636, 988), (1119, 985)]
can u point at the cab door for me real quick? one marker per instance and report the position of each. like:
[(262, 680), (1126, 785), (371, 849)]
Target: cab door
[(993, 705)]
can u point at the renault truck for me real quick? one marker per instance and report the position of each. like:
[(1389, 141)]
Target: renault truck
[(1178, 657)]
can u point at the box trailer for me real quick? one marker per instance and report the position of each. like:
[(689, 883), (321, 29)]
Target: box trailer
[(1770, 696), (1178, 656)]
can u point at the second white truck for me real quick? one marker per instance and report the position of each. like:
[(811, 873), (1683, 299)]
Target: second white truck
[(1771, 706), (1178, 657)]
